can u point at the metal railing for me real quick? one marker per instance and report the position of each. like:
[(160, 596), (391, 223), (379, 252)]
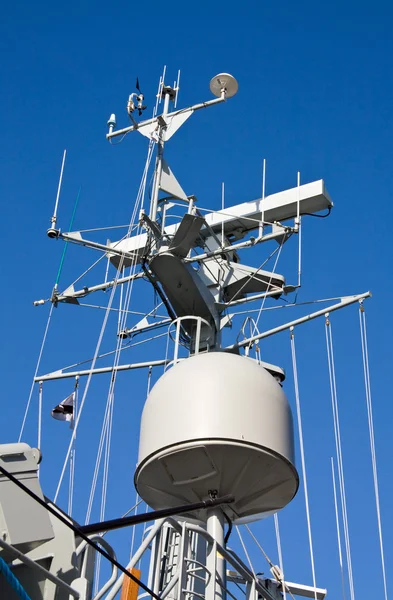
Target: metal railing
[(198, 332), (84, 550), (189, 569)]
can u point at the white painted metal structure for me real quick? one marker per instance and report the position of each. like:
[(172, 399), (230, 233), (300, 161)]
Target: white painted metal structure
[(221, 422), (217, 422)]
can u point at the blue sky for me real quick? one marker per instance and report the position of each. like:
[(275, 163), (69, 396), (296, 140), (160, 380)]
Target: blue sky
[(315, 95)]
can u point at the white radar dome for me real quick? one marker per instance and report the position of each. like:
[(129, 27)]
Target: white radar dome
[(217, 422)]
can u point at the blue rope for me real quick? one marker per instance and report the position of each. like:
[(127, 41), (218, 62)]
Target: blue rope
[(66, 243), (12, 580)]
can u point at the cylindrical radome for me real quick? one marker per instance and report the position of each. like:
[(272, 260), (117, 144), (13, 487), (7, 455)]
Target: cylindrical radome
[(217, 422)]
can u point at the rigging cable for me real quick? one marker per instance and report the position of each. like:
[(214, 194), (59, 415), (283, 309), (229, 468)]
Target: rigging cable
[(98, 345), (109, 421), (143, 536), (302, 454), (279, 551), (99, 453), (138, 502), (72, 455), (363, 335), (49, 319), (106, 433), (39, 432), (35, 372), (121, 324), (98, 463), (129, 312), (270, 562), (107, 444), (66, 242), (107, 456), (94, 264), (268, 285), (278, 250), (291, 305), (338, 529), (339, 456), (250, 277), (245, 550)]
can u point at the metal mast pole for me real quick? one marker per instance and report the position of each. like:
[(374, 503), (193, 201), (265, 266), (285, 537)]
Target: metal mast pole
[(215, 563), (185, 554), (160, 153)]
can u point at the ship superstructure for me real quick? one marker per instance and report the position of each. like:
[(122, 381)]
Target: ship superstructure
[(216, 443)]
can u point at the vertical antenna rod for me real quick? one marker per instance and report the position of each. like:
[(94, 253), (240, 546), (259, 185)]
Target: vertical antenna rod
[(177, 87), (298, 225), (39, 432), (52, 232), (261, 226), (222, 208)]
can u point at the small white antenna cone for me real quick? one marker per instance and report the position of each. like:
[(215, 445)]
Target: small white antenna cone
[(224, 81)]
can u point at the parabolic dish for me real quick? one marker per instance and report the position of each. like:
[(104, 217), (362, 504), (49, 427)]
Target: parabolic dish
[(224, 81)]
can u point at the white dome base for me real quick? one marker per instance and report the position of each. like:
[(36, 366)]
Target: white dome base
[(217, 422), (261, 482)]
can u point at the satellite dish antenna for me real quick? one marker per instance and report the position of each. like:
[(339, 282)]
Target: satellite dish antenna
[(224, 81)]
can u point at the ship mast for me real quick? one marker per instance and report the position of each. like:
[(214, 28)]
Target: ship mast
[(169, 95), (197, 303), (216, 436)]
